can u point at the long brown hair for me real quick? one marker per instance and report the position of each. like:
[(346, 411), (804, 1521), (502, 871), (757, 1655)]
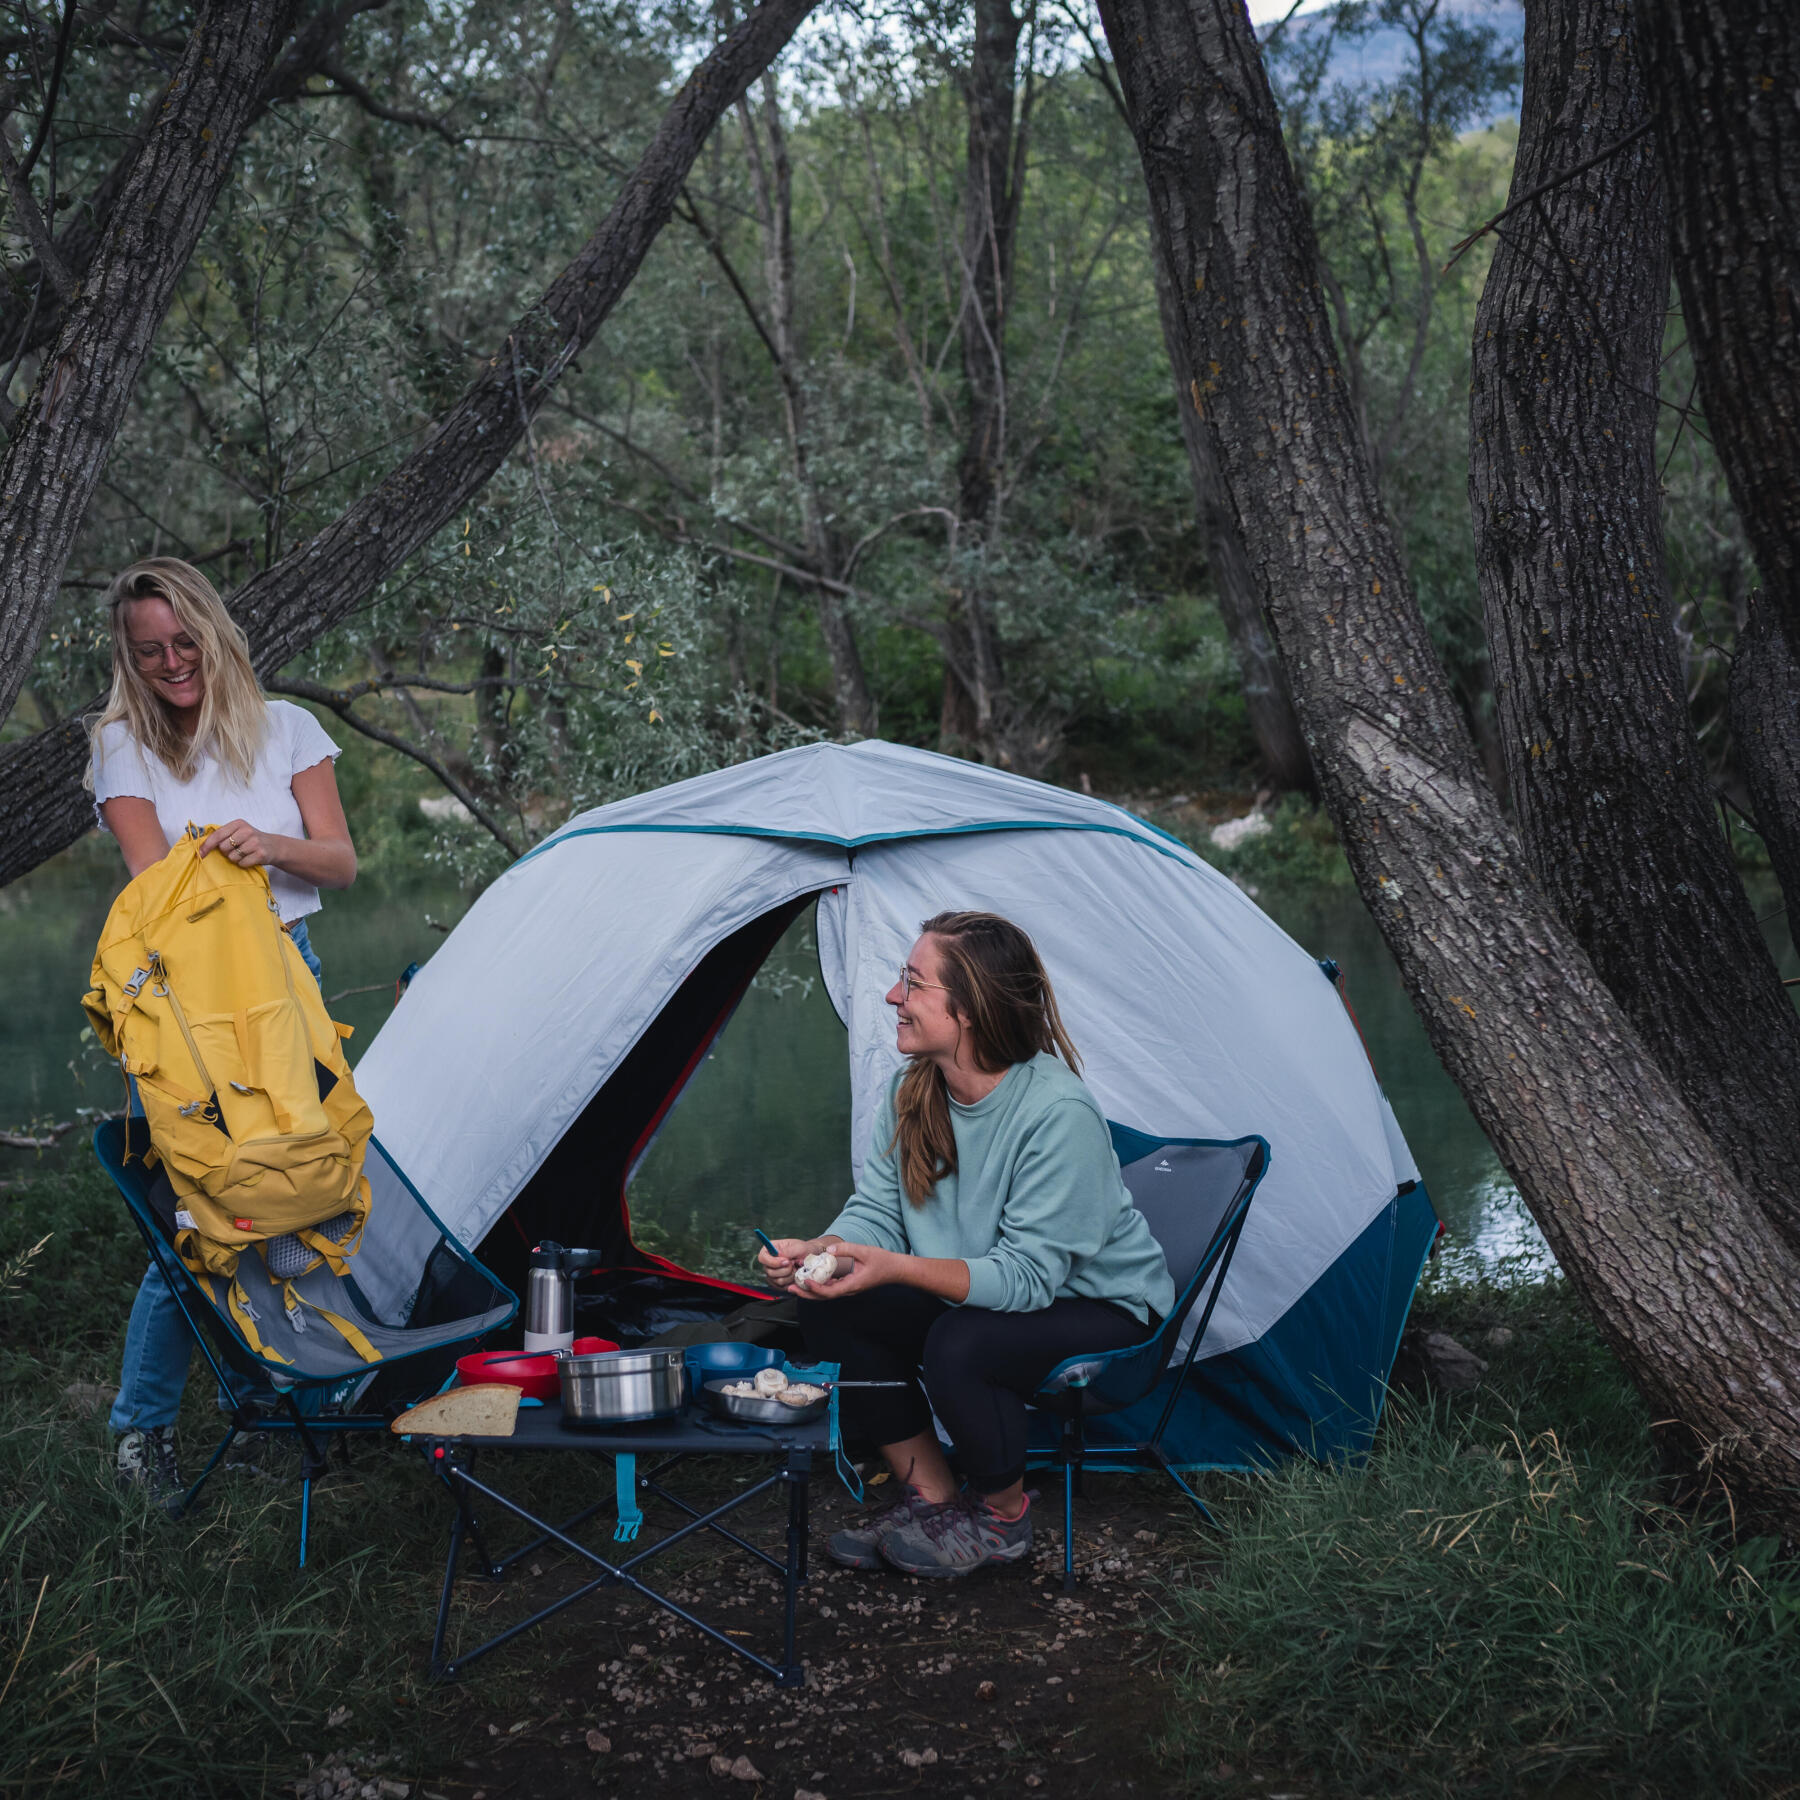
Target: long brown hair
[(998, 991), (233, 713)]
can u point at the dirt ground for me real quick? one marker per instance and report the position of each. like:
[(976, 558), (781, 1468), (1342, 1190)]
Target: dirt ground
[(998, 1681)]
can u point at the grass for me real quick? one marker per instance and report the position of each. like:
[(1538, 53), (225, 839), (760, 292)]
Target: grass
[(1502, 1602)]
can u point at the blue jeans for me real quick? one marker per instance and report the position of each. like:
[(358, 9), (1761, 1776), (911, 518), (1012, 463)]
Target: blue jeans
[(157, 1344)]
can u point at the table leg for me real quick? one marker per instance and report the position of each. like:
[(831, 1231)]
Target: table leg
[(796, 1475)]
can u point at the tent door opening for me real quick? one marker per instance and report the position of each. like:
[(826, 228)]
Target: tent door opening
[(577, 1195)]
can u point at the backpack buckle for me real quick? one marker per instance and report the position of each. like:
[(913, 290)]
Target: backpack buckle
[(135, 985)]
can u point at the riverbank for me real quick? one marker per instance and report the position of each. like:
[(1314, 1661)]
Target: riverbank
[(1508, 1600)]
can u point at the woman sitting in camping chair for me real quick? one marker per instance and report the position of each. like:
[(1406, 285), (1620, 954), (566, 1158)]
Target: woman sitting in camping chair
[(989, 1238)]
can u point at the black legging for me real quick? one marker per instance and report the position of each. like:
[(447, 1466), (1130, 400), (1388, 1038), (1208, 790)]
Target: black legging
[(980, 1367)]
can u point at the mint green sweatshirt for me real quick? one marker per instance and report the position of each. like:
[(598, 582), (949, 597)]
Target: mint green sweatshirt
[(1036, 1208)]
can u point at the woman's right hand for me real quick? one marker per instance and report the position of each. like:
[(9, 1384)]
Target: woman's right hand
[(790, 1254)]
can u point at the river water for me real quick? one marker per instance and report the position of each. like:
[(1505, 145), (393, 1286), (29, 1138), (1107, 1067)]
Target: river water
[(762, 1134)]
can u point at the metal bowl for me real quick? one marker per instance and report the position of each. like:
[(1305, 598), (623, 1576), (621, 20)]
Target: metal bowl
[(623, 1387), (754, 1410)]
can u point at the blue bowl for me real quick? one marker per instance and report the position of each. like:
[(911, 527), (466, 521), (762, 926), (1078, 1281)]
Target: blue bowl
[(711, 1362)]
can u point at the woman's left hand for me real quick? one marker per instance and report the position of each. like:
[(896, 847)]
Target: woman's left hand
[(242, 843)]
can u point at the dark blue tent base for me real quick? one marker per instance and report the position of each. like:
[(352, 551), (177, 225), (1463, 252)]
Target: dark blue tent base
[(1313, 1385)]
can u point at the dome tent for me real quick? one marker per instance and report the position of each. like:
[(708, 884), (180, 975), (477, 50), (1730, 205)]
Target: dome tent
[(587, 983)]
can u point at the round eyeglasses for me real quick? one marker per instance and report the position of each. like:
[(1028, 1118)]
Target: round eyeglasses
[(909, 981), (147, 656)]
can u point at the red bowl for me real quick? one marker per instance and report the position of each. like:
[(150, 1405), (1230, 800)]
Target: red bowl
[(536, 1377)]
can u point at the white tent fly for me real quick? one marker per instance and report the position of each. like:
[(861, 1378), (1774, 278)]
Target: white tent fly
[(533, 1059)]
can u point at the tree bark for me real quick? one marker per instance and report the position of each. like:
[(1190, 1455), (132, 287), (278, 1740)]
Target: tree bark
[(60, 448), (24, 330), (1689, 1282), (1765, 730), (1722, 77), (993, 189), (1613, 800), (290, 606), (1268, 706)]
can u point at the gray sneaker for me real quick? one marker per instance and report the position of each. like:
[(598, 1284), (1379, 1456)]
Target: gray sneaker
[(859, 1546), (146, 1458), (953, 1539)]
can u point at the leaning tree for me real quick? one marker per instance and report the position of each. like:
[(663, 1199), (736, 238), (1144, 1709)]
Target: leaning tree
[(1675, 1253), (291, 605)]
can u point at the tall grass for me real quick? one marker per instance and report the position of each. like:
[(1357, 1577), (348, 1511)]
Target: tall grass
[(1501, 1602), (139, 1655)]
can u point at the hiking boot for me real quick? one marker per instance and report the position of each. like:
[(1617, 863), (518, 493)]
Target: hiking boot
[(859, 1546), (956, 1538), (146, 1458)]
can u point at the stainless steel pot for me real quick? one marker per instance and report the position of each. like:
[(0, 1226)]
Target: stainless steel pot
[(621, 1387)]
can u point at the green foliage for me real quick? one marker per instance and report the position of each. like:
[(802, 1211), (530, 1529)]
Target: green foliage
[(1298, 852), (1501, 1601)]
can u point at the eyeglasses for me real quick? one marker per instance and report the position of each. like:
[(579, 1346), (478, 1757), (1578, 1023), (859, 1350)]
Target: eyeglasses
[(909, 981), (147, 656)]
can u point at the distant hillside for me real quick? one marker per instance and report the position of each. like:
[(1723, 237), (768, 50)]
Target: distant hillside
[(1382, 54)]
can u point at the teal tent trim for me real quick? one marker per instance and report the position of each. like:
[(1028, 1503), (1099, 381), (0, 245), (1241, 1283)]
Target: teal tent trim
[(1314, 1384), (1181, 853)]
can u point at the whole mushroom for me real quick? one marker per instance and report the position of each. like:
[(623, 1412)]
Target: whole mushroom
[(820, 1266)]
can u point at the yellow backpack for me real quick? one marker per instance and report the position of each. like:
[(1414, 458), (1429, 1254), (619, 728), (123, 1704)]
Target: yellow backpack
[(203, 998)]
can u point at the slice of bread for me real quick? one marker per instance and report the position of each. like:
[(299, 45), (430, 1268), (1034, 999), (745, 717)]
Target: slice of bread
[(486, 1411)]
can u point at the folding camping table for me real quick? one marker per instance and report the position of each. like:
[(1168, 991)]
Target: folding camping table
[(668, 1442)]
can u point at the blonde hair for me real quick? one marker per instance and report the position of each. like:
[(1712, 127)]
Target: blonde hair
[(998, 988), (233, 711)]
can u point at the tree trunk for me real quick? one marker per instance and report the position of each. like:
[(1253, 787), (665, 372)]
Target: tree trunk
[(61, 444), (1722, 77), (1687, 1279), (1569, 548), (290, 606), (773, 179), (1269, 707), (1765, 730), (28, 325), (993, 188)]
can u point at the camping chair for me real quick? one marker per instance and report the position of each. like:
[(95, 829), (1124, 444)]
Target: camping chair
[(1195, 1197), (412, 1293)]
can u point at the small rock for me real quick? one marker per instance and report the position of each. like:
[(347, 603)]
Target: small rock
[(1502, 1337), (1034, 1781), (742, 1770), (638, 1650), (90, 1396), (339, 1715), (918, 1759), (599, 1742), (808, 1794), (1435, 1359), (986, 1691), (392, 1790), (1236, 831), (720, 1765), (1144, 1537)]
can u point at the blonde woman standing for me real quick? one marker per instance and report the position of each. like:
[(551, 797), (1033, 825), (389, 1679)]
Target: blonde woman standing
[(188, 735)]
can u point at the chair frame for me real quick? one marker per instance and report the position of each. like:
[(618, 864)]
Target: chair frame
[(249, 1416), (1148, 1455)]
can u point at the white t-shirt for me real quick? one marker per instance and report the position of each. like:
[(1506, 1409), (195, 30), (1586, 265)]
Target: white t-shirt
[(294, 740)]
